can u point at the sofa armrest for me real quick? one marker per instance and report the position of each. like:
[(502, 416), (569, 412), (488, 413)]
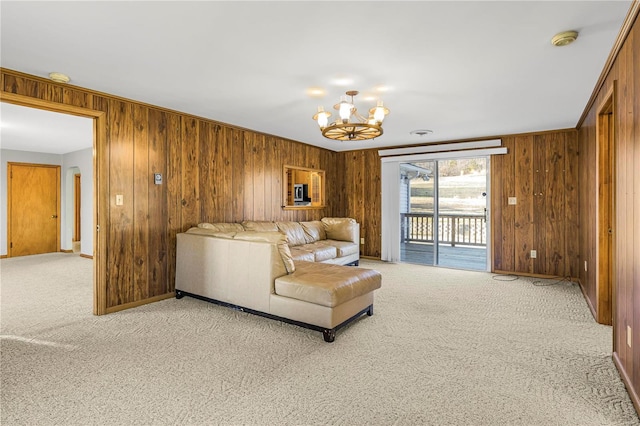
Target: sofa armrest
[(342, 229)]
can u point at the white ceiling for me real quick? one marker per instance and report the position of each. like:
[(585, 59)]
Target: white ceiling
[(462, 69)]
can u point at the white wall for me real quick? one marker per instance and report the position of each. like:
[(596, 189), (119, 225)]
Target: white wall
[(10, 156), (79, 160)]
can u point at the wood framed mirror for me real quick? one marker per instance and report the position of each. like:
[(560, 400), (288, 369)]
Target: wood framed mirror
[(303, 188)]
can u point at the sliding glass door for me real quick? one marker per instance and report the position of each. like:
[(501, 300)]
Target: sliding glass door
[(443, 212)]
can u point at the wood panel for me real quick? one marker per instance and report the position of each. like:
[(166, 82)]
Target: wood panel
[(550, 219), (140, 203), (524, 209), (572, 209), (272, 194), (259, 199), (173, 146), (372, 206), (248, 189), (237, 173), (503, 215), (158, 204), (190, 173), (120, 287), (75, 98), (206, 154)]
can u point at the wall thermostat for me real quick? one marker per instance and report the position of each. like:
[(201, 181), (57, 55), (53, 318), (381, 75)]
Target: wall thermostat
[(157, 178)]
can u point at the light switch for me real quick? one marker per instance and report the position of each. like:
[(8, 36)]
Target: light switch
[(513, 201), (119, 200)]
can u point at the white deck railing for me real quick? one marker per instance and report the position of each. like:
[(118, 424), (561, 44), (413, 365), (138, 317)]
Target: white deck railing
[(463, 229)]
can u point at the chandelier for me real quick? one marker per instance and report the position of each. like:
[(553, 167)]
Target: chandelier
[(351, 126)]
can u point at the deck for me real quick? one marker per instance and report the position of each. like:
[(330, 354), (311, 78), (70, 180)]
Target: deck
[(459, 257)]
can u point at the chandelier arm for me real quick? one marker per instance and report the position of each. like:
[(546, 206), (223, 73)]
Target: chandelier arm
[(358, 116)]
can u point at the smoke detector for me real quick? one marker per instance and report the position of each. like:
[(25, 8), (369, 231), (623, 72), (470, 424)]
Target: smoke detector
[(564, 38), (58, 77)]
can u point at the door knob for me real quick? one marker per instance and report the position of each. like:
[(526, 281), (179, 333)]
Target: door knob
[(55, 216)]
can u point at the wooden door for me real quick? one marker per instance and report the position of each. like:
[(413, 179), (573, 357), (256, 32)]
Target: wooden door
[(76, 207), (605, 213), (33, 209)]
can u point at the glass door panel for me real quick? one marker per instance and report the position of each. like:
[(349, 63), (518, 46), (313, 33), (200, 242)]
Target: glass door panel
[(417, 212), (462, 209)]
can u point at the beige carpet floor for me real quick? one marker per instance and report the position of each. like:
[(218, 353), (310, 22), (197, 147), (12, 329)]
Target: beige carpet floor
[(444, 347)]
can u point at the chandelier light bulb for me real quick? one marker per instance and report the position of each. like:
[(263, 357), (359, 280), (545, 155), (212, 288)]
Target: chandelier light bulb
[(322, 117), (323, 121), (345, 110), (378, 114)]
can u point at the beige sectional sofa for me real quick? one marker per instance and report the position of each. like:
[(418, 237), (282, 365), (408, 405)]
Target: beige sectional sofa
[(290, 271)]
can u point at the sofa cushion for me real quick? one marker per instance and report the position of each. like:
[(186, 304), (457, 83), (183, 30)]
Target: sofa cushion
[(327, 285), (344, 248), (222, 226), (321, 252), (314, 231), (271, 237), (261, 226), (300, 254), (341, 228), (294, 232)]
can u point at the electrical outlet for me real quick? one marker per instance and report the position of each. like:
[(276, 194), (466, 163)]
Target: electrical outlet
[(534, 254), (629, 336), (362, 241), (585, 266), (119, 199), (513, 201)]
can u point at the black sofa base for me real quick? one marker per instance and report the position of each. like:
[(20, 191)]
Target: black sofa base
[(329, 334)]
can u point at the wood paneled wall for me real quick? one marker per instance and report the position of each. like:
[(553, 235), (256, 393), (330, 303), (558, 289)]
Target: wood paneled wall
[(625, 75), (544, 163), (211, 172), (360, 196), (540, 170)]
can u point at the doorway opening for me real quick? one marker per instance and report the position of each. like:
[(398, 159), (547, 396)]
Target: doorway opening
[(443, 213), (605, 203), (99, 200)]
